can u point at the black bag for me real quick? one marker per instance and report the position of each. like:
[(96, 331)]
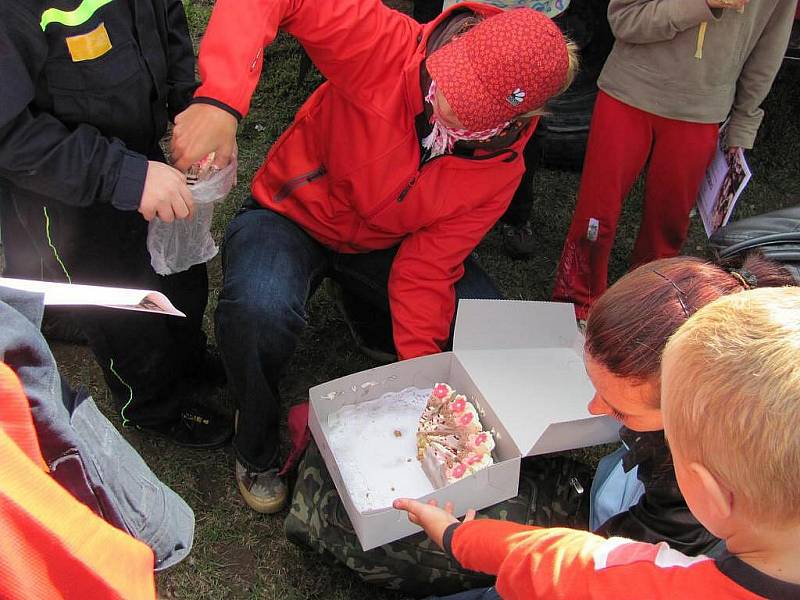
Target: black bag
[(775, 234)]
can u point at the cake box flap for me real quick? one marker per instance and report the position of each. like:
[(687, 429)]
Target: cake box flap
[(527, 359)]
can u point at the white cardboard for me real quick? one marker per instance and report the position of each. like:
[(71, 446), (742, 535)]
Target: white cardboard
[(504, 352), (66, 294)]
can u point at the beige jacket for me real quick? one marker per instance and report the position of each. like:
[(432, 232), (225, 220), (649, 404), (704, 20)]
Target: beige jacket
[(665, 61)]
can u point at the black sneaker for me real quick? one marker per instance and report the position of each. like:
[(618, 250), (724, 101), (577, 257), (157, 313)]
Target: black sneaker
[(518, 240), (198, 427), (371, 329)]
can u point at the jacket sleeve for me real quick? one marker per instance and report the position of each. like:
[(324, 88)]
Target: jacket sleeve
[(757, 75), (359, 45), (40, 154), (425, 271), (648, 21), (181, 82), (564, 564)]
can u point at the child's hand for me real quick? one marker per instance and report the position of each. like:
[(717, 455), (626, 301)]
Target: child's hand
[(165, 194), (432, 519), (735, 4)]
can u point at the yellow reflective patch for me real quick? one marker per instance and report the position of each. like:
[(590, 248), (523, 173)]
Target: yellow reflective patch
[(89, 45)]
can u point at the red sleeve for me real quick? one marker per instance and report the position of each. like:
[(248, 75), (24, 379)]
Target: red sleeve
[(353, 42), (424, 272), (532, 562)]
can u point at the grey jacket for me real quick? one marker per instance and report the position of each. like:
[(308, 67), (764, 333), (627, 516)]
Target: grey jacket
[(666, 63), (83, 451)]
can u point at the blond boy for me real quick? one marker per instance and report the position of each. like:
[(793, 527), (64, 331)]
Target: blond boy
[(731, 403)]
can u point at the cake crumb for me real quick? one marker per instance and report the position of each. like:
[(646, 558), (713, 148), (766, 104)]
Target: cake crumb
[(398, 433)]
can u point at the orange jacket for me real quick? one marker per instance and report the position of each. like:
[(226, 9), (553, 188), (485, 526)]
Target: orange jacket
[(51, 545), (347, 170), (531, 562)]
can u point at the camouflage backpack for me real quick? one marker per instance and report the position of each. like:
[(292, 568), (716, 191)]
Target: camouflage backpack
[(550, 494)]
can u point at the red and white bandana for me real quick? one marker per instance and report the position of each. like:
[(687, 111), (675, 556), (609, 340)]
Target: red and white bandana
[(442, 138)]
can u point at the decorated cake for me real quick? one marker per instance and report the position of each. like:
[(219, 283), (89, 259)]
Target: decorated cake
[(451, 442)]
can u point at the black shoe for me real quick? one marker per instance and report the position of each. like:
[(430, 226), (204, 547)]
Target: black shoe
[(370, 328), (198, 427), (211, 371), (518, 240)]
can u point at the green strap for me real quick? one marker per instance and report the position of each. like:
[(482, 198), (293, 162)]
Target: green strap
[(72, 18)]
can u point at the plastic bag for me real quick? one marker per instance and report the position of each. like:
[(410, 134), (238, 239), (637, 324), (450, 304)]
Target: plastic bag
[(176, 246)]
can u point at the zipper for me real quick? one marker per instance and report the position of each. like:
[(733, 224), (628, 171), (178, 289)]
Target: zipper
[(297, 182), (423, 163)]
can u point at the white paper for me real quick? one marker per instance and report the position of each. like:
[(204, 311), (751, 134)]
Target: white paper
[(375, 446), (725, 179), (64, 294)]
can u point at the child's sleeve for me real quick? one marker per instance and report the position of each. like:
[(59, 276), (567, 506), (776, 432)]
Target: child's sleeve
[(533, 562), (360, 46), (648, 21), (758, 73), (40, 154)]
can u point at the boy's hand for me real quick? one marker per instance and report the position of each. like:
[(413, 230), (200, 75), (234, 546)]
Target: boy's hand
[(165, 194), (432, 519), (200, 130), (735, 4)]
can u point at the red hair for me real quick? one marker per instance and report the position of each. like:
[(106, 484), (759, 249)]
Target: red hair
[(630, 323)]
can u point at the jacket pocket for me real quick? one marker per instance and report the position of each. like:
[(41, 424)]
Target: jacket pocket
[(295, 183), (102, 91)]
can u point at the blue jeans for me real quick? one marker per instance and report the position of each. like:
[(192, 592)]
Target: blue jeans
[(271, 268), (476, 594)]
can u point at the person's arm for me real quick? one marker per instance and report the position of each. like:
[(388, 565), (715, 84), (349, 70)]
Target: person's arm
[(424, 272), (558, 563), (181, 81), (648, 21), (360, 46), (79, 166), (758, 73)]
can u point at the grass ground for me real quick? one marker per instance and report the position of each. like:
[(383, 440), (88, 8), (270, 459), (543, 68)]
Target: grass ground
[(239, 554)]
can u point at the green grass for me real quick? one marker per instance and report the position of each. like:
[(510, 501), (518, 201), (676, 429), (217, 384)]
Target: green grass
[(239, 554)]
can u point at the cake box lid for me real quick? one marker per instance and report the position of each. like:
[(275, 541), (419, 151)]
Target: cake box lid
[(527, 359)]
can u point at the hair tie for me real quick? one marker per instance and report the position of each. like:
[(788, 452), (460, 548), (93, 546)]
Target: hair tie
[(745, 278)]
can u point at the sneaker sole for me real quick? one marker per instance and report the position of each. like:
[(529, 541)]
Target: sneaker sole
[(260, 505)]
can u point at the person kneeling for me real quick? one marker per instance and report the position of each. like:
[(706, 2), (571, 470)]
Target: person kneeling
[(727, 373)]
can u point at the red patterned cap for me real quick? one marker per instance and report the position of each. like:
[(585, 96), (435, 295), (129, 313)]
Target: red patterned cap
[(508, 64)]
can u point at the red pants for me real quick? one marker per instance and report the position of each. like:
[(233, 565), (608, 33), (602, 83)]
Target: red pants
[(621, 139)]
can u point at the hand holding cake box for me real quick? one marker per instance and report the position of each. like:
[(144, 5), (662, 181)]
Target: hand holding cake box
[(451, 442)]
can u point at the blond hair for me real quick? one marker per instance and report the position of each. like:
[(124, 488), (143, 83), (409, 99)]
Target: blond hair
[(732, 398), (573, 66)]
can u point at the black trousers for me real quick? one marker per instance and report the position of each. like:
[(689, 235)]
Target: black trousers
[(149, 361)]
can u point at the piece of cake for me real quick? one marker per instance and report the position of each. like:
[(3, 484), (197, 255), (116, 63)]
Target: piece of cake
[(451, 442)]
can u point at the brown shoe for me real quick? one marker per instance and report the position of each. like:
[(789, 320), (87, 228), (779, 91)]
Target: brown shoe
[(264, 492)]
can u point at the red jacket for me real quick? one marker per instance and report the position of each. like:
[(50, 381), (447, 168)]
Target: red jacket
[(348, 169), (531, 562)]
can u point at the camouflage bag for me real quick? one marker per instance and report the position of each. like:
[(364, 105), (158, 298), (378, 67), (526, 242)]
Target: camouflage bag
[(551, 494)]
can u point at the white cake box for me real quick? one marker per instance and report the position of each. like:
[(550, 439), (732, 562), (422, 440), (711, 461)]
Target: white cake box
[(520, 363)]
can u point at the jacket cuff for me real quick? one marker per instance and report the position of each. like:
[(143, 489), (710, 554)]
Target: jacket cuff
[(690, 13), (218, 104), (741, 134), (447, 539), (130, 182)]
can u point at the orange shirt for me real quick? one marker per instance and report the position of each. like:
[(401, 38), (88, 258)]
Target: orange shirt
[(51, 545), (532, 562)]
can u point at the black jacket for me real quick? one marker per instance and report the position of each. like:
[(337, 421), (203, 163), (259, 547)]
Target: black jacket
[(77, 125), (661, 515)]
